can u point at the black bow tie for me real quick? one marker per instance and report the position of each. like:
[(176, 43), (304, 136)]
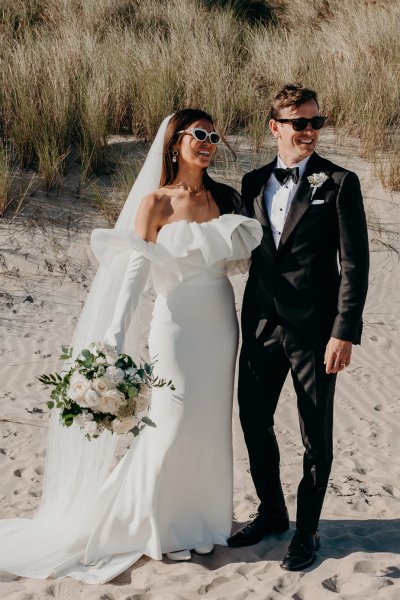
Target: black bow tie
[(283, 175)]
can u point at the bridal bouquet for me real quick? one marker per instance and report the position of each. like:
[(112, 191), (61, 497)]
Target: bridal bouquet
[(103, 390)]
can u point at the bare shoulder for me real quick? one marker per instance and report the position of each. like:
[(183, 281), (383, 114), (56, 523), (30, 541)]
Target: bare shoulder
[(152, 214), (154, 205)]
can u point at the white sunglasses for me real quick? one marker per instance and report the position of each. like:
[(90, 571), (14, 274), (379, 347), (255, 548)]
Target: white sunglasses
[(201, 135)]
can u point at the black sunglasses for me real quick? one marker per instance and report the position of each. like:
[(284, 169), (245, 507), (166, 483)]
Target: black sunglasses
[(301, 123)]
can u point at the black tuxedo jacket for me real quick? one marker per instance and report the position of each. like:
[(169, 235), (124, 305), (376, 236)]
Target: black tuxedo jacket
[(315, 282)]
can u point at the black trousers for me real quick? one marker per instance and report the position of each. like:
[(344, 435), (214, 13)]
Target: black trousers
[(263, 368)]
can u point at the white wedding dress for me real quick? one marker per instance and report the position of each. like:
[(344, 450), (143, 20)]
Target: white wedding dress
[(173, 488)]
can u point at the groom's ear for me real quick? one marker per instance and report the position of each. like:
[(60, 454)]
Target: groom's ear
[(273, 125)]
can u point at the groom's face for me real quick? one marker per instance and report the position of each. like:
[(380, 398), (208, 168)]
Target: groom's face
[(294, 146)]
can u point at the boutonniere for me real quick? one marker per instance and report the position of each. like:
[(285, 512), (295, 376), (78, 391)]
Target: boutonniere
[(316, 180)]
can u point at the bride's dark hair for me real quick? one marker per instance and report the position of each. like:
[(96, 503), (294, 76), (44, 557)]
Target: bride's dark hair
[(226, 197)]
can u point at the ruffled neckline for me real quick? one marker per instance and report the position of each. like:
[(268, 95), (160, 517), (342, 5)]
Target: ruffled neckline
[(229, 236), (209, 222)]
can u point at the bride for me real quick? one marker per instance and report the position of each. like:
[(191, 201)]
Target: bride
[(172, 491)]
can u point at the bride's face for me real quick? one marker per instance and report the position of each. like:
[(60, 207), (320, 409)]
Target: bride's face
[(192, 152)]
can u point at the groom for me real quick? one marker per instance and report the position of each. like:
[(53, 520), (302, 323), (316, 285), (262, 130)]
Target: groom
[(302, 312)]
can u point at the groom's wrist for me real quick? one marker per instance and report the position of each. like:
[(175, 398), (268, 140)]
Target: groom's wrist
[(342, 331)]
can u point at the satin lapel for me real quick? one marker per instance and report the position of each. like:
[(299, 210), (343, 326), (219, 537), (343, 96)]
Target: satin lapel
[(300, 202), (260, 212), (259, 208)]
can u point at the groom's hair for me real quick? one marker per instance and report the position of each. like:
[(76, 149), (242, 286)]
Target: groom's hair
[(291, 95)]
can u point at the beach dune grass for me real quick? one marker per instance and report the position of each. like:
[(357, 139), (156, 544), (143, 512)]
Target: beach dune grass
[(5, 180), (252, 11), (74, 73)]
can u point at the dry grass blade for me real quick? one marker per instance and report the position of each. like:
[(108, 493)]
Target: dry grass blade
[(75, 73), (23, 196), (24, 422), (387, 165), (5, 180)]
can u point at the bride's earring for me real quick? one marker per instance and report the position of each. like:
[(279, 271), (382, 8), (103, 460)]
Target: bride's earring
[(174, 155)]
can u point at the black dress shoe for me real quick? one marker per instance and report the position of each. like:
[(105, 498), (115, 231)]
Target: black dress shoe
[(301, 552), (262, 525)]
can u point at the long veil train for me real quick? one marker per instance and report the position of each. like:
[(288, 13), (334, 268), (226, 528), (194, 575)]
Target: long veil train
[(76, 469)]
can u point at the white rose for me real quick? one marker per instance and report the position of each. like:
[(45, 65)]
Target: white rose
[(86, 422), (124, 425), (79, 420), (92, 399), (111, 354), (77, 390), (83, 417), (100, 360), (91, 428), (111, 401), (76, 376), (316, 180), (142, 402), (100, 385), (114, 375)]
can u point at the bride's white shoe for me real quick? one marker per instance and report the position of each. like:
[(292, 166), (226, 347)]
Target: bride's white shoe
[(180, 555), (204, 549)]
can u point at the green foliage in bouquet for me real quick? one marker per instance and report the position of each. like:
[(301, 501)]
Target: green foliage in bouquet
[(103, 390)]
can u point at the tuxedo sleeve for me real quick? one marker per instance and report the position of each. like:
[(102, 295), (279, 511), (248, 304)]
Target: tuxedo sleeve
[(247, 209), (354, 260)]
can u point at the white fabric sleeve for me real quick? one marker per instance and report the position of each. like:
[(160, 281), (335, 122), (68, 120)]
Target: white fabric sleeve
[(127, 302)]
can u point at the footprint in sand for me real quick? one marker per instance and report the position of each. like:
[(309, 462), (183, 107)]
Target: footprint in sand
[(395, 407), (360, 470), (51, 591), (216, 583), (286, 584), (362, 580), (392, 572), (331, 584), (383, 341), (389, 490)]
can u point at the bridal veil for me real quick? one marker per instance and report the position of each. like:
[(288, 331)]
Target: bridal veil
[(76, 469)]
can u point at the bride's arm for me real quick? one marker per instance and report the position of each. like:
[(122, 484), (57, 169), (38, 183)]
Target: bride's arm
[(129, 295), (136, 274)]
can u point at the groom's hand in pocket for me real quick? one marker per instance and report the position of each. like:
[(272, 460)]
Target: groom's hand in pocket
[(337, 355)]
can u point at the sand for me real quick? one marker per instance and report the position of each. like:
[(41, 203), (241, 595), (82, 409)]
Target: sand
[(46, 267)]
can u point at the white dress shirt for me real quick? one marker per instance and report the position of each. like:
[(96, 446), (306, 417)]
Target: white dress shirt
[(277, 198)]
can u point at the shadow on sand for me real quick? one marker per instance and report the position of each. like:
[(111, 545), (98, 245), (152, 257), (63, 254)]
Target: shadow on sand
[(339, 538)]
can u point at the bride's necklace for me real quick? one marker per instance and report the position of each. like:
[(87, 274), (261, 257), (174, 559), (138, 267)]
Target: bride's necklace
[(192, 190)]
